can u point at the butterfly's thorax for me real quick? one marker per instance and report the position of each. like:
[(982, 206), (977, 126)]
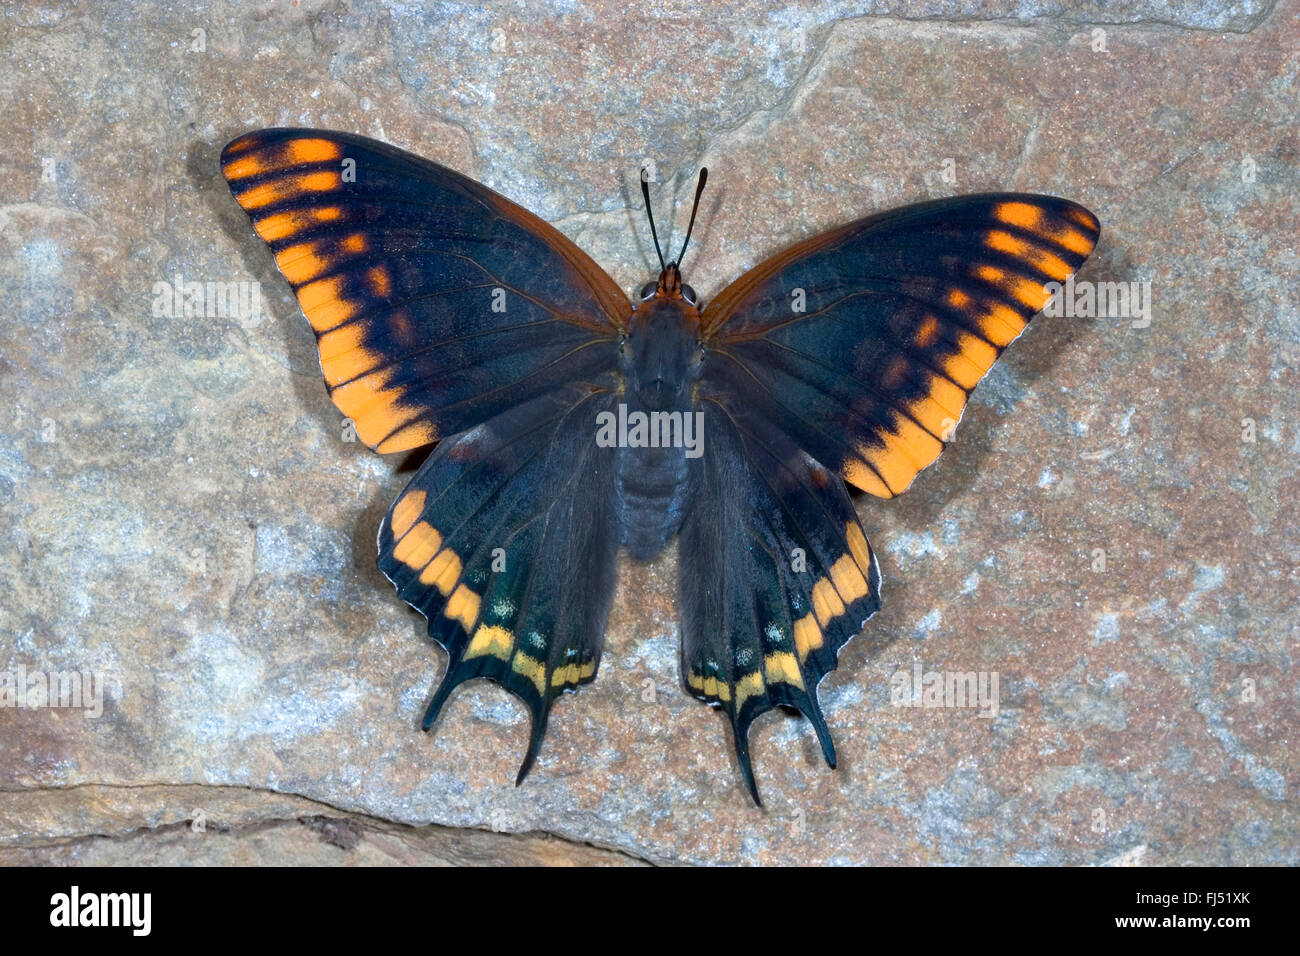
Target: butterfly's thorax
[(661, 360)]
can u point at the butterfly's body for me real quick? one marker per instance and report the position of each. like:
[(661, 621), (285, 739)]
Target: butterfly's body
[(446, 313), (660, 360)]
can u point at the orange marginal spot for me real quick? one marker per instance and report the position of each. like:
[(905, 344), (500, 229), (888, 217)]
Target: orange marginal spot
[(349, 365), (443, 571), (372, 407), (301, 263), (947, 396), (932, 416), (1029, 293), (282, 225), (860, 475), (418, 546), (463, 606), (406, 511), (914, 441), (323, 303), (288, 187), (1075, 241), (1008, 316), (1051, 265), (848, 580), (301, 151), (807, 636), (340, 341), (357, 397), (380, 282), (928, 332), (968, 366), (278, 225), (354, 243), (378, 422), (414, 435), (1019, 214), (244, 143), (245, 166), (895, 467), (1083, 217), (826, 603), (858, 546)]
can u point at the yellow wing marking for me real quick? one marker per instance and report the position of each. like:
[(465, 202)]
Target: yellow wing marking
[(493, 640), (781, 668)]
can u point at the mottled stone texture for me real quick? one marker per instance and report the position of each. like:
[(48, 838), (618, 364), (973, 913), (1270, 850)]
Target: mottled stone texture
[(182, 516)]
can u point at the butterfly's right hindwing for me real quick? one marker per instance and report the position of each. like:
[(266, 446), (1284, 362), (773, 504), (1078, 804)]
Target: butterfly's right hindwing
[(506, 541)]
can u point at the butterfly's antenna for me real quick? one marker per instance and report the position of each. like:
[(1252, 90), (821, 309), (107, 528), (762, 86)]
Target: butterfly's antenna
[(704, 177), (645, 191)]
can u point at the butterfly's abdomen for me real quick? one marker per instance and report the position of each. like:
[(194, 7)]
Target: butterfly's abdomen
[(649, 495), (658, 430)]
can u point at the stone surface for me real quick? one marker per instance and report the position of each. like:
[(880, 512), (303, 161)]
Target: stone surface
[(148, 825), (183, 519)]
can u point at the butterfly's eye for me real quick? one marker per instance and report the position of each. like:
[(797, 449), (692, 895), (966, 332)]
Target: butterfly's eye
[(688, 293), (649, 290)]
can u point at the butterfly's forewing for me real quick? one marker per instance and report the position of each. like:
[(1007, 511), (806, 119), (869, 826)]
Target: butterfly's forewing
[(436, 302), (505, 540), (776, 574), (445, 312), (849, 355), (863, 343)]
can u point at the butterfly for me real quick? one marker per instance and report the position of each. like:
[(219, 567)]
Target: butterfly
[(572, 423)]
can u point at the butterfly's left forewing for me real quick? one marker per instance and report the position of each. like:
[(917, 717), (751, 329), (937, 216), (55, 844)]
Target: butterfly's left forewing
[(436, 302), (850, 356), (444, 312)]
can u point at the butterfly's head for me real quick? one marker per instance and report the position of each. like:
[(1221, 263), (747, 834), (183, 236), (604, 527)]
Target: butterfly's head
[(669, 286)]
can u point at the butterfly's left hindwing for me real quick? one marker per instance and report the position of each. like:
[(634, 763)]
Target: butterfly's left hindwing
[(436, 302), (775, 574), (505, 540)]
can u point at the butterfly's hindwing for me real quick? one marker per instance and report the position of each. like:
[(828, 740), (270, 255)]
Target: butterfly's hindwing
[(775, 575), (506, 541), (863, 343), (436, 302)]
